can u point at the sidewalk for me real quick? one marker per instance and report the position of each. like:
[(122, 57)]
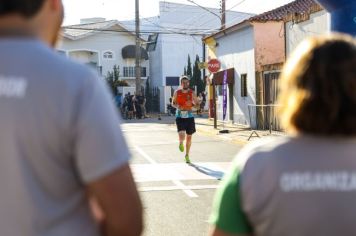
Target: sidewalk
[(238, 134)]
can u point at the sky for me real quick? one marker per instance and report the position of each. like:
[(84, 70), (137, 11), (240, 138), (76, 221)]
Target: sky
[(125, 9)]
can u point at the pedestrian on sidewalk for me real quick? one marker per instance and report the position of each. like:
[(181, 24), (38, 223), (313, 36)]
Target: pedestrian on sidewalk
[(60, 141), (184, 99), (303, 184), (202, 105), (199, 109)]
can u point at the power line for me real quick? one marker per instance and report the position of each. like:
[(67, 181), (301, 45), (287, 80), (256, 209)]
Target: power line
[(132, 31), (237, 4)]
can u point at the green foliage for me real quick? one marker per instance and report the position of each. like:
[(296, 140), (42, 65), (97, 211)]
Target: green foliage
[(196, 78), (189, 68), (113, 79)]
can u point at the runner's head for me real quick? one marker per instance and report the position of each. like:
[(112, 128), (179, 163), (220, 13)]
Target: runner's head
[(184, 82)]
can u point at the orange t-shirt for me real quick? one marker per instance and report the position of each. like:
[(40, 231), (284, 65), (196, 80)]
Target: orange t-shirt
[(185, 100)]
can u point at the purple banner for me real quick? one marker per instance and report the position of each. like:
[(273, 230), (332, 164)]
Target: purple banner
[(224, 93)]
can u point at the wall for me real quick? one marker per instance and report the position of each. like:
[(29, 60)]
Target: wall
[(237, 50), (156, 64), (269, 43), (319, 23)]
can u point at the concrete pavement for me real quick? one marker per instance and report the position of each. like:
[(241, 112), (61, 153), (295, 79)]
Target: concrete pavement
[(239, 134)]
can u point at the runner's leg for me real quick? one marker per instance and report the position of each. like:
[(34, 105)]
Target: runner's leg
[(181, 135), (188, 144)]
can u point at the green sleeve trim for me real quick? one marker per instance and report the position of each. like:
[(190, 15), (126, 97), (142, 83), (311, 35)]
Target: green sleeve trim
[(227, 214)]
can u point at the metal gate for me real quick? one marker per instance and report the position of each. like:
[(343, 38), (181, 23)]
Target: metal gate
[(271, 90), (153, 99)]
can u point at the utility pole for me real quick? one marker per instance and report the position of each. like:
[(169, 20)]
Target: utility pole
[(138, 48), (223, 14), (223, 22)]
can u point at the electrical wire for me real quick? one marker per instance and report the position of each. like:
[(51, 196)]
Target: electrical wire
[(132, 31)]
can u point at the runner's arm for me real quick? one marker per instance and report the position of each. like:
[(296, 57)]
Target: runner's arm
[(196, 100), (116, 203), (174, 100)]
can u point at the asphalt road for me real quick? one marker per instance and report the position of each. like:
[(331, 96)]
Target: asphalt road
[(177, 197)]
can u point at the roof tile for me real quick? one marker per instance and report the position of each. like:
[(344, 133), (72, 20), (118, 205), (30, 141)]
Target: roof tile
[(281, 13)]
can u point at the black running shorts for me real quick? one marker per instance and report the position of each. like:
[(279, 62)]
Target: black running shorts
[(186, 124)]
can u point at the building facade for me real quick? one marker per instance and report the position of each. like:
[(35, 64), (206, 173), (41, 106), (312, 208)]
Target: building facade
[(102, 45)]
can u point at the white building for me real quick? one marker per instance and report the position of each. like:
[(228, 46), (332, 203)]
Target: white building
[(181, 28), (235, 49), (316, 23), (102, 44), (253, 53)]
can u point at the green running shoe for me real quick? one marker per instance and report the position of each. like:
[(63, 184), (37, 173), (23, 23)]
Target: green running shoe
[(187, 160), (181, 147)]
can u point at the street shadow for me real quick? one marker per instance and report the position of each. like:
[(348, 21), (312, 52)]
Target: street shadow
[(213, 173)]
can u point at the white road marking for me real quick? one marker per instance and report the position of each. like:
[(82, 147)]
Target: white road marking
[(189, 192), (179, 171), (157, 172), (147, 157)]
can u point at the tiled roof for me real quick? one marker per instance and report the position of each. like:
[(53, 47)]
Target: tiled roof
[(281, 13)]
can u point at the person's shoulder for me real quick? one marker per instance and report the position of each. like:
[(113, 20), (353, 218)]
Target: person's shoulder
[(55, 69), (263, 150), (76, 70)]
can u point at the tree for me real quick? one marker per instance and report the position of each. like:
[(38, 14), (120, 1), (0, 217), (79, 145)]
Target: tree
[(189, 68), (113, 79), (185, 71), (196, 79)]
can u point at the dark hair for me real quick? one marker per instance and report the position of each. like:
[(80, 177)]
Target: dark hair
[(26, 8), (319, 87)]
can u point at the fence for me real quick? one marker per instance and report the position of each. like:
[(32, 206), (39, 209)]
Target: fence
[(264, 117), (152, 99)]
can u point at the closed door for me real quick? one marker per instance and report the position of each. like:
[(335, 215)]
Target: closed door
[(271, 89)]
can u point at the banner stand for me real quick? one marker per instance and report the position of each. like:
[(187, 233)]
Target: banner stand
[(224, 131)]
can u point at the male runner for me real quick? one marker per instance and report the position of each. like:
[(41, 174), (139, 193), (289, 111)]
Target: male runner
[(184, 99)]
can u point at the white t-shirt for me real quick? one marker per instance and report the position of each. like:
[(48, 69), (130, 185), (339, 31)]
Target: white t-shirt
[(59, 131)]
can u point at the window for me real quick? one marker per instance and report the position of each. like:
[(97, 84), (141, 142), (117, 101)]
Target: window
[(244, 85), (108, 55), (130, 71), (143, 71)]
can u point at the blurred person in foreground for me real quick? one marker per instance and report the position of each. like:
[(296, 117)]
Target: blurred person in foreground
[(61, 148), (305, 183)]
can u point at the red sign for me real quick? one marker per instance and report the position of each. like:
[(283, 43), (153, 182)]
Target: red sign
[(214, 65)]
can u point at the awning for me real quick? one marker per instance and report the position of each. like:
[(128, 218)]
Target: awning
[(129, 52), (218, 77)]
